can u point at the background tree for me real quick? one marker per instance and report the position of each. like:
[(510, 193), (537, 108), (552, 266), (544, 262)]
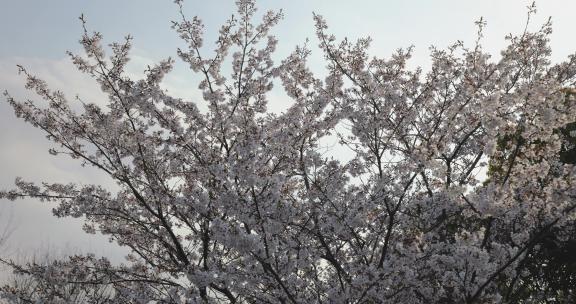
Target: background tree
[(551, 265), (236, 204)]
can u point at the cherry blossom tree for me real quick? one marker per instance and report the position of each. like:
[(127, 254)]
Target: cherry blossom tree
[(551, 263), (237, 204)]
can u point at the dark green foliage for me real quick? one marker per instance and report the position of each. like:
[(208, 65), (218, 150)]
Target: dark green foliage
[(568, 152)]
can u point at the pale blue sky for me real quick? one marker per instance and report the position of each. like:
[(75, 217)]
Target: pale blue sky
[(40, 28), (36, 33)]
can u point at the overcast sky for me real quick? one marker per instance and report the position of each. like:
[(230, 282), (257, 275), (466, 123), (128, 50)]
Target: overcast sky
[(36, 34)]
